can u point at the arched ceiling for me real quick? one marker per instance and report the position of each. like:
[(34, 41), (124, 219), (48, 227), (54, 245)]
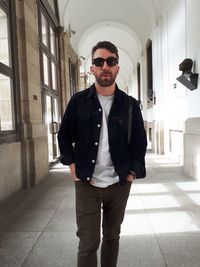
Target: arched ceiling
[(126, 23)]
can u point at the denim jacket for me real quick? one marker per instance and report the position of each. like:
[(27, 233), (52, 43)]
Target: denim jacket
[(79, 135)]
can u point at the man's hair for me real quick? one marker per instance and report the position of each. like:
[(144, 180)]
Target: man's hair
[(105, 45)]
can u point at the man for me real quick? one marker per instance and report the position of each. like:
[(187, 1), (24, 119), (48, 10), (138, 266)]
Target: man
[(93, 141)]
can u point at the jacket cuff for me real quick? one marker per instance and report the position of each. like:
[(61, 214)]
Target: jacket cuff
[(66, 160)]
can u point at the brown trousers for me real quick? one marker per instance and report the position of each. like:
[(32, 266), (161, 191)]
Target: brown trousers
[(90, 201)]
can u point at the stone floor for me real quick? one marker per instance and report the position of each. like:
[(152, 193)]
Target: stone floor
[(161, 226)]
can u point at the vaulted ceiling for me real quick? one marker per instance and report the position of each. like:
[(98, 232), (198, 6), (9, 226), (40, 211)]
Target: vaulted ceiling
[(126, 23)]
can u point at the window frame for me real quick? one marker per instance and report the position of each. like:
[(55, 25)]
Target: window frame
[(45, 10), (48, 90), (72, 77), (12, 72), (149, 58)]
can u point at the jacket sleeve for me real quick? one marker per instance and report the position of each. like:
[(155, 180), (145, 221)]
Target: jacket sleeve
[(138, 142), (67, 134)]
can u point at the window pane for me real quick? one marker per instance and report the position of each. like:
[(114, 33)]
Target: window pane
[(51, 2), (49, 126), (4, 47), (44, 30), (45, 69), (52, 36), (54, 76), (6, 114)]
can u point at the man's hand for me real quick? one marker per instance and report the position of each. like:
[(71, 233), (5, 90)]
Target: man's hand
[(73, 172), (131, 177)]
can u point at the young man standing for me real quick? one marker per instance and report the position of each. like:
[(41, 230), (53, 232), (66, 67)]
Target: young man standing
[(93, 141)]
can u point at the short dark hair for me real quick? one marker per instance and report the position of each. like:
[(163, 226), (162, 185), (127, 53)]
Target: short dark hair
[(105, 45)]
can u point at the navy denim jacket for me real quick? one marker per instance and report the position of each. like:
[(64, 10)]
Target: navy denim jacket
[(80, 131)]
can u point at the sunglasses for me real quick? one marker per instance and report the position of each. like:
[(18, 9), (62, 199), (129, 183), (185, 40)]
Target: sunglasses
[(110, 61)]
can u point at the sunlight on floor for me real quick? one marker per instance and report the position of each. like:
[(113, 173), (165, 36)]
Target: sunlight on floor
[(136, 224), (162, 222), (159, 202), (171, 161), (195, 197), (156, 209), (151, 188), (172, 222), (189, 186)]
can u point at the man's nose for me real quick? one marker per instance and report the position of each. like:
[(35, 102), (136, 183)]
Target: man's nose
[(105, 65)]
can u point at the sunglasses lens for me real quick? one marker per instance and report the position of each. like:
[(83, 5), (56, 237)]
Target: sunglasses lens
[(110, 61), (98, 62)]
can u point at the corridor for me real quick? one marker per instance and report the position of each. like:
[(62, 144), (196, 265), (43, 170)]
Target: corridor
[(161, 226)]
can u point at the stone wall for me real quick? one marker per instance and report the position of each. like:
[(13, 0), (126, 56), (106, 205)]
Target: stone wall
[(34, 136), (25, 163)]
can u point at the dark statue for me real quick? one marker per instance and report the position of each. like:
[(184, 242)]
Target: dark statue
[(186, 66), (188, 78)]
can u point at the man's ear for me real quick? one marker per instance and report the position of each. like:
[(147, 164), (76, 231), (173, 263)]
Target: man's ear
[(92, 69), (118, 69)]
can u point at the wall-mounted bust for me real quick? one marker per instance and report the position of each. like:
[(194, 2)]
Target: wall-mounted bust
[(186, 66), (188, 78)]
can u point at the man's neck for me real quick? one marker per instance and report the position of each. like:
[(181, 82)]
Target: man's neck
[(105, 91)]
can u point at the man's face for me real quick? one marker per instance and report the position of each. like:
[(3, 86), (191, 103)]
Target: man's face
[(105, 75)]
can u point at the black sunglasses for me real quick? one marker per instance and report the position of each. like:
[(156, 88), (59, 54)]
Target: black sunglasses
[(110, 61)]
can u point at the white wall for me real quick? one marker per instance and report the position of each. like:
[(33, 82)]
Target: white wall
[(175, 38), (193, 51)]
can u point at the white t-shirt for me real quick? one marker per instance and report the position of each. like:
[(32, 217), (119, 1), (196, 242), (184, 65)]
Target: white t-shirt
[(104, 172)]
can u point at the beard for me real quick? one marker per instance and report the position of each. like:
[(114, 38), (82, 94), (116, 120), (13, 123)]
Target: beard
[(105, 79)]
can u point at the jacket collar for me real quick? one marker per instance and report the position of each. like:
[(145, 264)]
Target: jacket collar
[(118, 93)]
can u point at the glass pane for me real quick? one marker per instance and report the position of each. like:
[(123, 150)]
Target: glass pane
[(54, 76), (44, 30), (4, 46), (51, 2), (49, 126), (52, 36), (6, 114), (45, 69), (56, 119)]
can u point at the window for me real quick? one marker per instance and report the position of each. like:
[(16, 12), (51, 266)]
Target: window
[(9, 112), (139, 83), (149, 74), (72, 77), (49, 65), (48, 44)]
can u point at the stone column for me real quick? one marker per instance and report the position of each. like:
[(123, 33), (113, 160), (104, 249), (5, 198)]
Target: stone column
[(33, 134)]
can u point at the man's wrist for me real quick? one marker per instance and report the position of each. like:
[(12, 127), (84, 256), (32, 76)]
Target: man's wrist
[(133, 174)]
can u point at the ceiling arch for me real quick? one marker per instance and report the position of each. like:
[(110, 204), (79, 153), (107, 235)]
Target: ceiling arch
[(127, 23), (128, 44)]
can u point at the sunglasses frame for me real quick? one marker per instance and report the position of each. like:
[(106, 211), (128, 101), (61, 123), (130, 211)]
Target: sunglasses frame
[(110, 61)]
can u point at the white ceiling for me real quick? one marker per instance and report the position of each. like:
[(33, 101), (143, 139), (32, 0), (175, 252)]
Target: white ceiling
[(126, 23)]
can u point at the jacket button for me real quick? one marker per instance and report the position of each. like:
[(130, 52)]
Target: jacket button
[(96, 143), (98, 125), (99, 109), (93, 161), (88, 178)]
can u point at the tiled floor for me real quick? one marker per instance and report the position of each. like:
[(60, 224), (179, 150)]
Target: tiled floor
[(161, 226)]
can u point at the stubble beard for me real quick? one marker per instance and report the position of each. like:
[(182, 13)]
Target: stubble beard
[(105, 82)]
